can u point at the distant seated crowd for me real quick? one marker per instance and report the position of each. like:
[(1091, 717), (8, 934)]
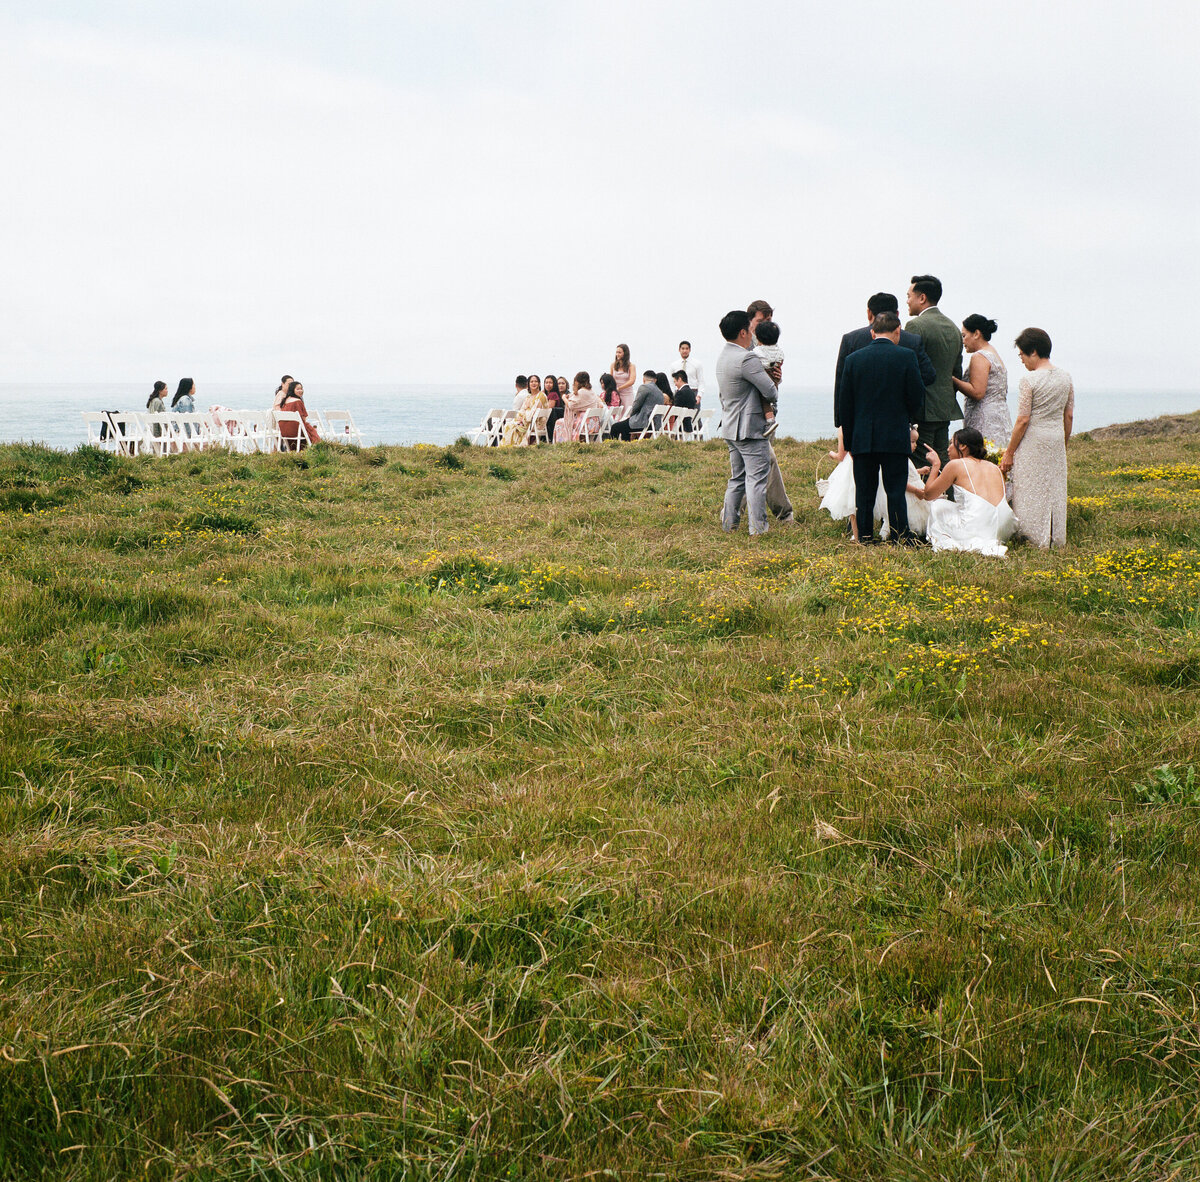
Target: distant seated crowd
[(628, 407)]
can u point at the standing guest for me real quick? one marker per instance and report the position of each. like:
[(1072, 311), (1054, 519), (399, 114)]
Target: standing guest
[(860, 338), (742, 383), (693, 369), (624, 373), (289, 432), (281, 390), (881, 394), (579, 402), (985, 388), (1036, 454), (777, 499), (943, 343), (649, 396), (684, 397)]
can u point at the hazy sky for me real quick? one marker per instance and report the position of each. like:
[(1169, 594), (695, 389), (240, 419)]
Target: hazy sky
[(371, 191)]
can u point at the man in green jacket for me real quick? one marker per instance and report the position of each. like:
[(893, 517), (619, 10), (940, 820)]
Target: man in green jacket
[(943, 342)]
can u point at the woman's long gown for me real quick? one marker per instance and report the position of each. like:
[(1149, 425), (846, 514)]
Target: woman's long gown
[(837, 499), (971, 522), (989, 416), (1039, 471)]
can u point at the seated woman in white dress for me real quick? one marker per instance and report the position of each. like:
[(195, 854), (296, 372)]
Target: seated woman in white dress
[(837, 494), (978, 519)]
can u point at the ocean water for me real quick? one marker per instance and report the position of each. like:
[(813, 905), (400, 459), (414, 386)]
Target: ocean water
[(407, 414)]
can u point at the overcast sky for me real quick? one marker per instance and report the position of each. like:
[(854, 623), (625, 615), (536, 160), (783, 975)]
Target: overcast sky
[(410, 192)]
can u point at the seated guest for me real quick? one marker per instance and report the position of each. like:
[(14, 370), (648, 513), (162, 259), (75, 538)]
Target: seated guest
[(289, 432), (648, 397), (684, 396), (516, 430), (281, 390), (581, 400), (552, 400), (978, 519), (522, 391), (610, 395), (156, 406)]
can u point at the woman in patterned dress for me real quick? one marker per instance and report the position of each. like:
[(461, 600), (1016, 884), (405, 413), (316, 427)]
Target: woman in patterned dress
[(1036, 454), (985, 387)]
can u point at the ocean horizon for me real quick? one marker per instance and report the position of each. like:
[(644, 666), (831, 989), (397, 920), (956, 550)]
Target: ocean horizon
[(404, 414)]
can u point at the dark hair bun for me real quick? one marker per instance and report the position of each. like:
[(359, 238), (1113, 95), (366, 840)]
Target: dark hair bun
[(991, 327)]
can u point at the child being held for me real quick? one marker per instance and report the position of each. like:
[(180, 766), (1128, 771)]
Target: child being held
[(767, 336)]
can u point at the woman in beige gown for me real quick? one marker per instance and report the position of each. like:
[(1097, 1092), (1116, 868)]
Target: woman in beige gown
[(1036, 454)]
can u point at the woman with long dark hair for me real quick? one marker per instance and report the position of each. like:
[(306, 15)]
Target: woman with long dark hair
[(156, 397), (624, 373), (289, 432)]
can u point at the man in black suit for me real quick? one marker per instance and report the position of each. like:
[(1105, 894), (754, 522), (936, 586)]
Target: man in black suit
[(882, 393), (860, 338)]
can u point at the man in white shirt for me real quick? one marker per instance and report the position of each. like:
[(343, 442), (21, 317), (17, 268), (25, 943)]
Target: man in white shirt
[(693, 369)]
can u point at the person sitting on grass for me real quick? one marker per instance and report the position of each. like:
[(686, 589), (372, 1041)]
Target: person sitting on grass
[(979, 518)]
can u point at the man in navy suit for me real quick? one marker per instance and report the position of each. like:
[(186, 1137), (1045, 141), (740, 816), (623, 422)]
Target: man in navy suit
[(860, 338), (882, 393)]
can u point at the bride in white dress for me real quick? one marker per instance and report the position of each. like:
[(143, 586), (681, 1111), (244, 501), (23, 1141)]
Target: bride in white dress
[(979, 518)]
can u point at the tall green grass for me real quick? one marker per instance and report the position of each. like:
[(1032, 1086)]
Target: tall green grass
[(435, 813)]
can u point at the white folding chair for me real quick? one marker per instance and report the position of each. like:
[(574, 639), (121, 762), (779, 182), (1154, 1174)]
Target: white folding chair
[(100, 431), (538, 426), (133, 433), (340, 427), (672, 423), (706, 425), (591, 426), (487, 434), (655, 426), (289, 442)]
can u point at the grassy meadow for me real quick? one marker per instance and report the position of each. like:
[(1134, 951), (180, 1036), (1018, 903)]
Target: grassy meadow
[(455, 813)]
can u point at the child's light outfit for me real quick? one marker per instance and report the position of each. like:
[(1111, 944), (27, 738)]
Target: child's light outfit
[(837, 498)]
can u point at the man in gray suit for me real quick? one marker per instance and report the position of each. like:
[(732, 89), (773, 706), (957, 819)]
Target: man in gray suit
[(743, 383), (648, 397), (942, 339)]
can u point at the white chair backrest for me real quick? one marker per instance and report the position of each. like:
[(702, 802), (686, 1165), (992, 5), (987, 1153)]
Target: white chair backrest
[(99, 430), (537, 426), (133, 434), (289, 442), (340, 427)]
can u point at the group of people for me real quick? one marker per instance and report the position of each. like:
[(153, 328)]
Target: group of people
[(895, 395), (630, 404)]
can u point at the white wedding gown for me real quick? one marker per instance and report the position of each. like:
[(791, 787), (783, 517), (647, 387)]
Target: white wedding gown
[(970, 522), (837, 498)]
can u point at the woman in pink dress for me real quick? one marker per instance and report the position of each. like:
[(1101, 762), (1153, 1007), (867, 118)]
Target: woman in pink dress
[(581, 400), (624, 373)]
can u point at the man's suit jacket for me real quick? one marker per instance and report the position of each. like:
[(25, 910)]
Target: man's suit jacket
[(743, 384), (647, 398), (685, 397), (860, 338), (882, 393), (943, 343)]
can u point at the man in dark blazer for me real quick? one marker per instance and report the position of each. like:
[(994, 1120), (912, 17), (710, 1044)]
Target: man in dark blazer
[(882, 394), (860, 338), (943, 343)]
